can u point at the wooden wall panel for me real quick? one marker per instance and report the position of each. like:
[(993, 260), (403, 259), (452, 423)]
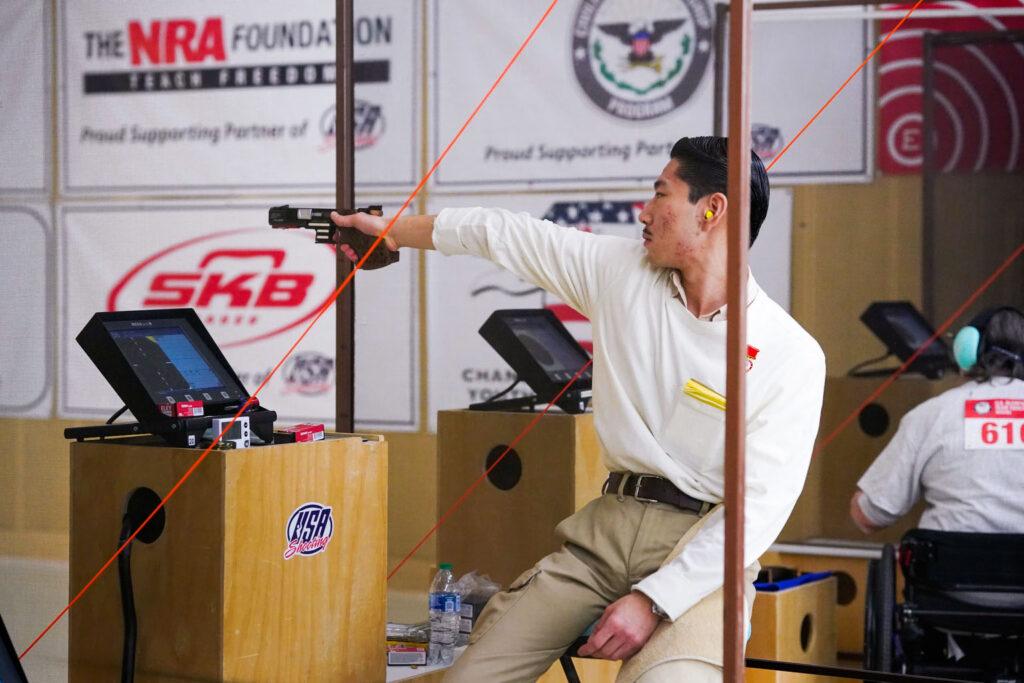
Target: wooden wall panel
[(854, 244), (412, 502), (978, 223)]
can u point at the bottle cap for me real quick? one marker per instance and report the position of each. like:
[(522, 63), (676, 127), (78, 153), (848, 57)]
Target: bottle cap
[(445, 565)]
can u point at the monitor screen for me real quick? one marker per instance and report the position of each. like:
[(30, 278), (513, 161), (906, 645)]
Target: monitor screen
[(158, 358), (911, 329), (559, 358), (544, 355), (168, 358), (904, 330)]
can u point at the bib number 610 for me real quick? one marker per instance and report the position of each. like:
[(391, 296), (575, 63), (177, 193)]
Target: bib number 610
[(994, 434)]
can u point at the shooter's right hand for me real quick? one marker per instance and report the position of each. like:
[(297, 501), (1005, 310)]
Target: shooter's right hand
[(366, 223)]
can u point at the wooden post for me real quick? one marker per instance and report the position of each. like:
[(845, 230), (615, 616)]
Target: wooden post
[(736, 337), (345, 307)]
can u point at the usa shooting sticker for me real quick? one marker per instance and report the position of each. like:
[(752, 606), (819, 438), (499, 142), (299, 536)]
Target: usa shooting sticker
[(309, 530), (639, 60)]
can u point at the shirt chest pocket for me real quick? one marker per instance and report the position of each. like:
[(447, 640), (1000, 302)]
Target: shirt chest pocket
[(695, 434)]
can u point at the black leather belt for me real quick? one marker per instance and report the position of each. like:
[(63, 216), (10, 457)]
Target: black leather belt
[(650, 488)]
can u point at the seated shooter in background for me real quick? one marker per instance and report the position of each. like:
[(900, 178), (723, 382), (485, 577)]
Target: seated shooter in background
[(969, 474)]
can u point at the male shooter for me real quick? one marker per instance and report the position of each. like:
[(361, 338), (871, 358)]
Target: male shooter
[(658, 313)]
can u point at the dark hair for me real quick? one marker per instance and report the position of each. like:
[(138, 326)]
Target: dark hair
[(704, 166), (1001, 347)]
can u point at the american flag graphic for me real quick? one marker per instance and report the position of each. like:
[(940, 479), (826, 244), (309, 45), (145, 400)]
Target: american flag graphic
[(609, 216), (620, 217)]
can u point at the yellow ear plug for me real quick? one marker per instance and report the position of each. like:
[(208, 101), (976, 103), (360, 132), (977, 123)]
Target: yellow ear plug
[(709, 214)]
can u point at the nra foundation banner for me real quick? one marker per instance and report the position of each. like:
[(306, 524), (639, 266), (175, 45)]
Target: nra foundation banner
[(462, 291), (599, 95), (255, 289), (25, 97), (26, 325), (219, 96)]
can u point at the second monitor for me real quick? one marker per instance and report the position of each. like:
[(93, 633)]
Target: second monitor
[(542, 353)]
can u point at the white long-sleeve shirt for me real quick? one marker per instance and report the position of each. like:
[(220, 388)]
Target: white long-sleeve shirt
[(647, 345)]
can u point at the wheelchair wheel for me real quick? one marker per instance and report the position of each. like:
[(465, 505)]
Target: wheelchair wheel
[(880, 611)]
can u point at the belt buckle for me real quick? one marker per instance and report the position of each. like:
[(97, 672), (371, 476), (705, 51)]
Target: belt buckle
[(636, 489)]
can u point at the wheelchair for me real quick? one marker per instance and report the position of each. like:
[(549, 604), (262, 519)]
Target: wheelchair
[(962, 616)]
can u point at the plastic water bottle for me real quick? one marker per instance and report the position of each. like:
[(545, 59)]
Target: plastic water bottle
[(445, 605)]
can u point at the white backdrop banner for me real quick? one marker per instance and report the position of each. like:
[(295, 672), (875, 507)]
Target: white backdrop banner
[(255, 289), (597, 98), (796, 65), (25, 97), (463, 291), (216, 96), (26, 325), (606, 86)]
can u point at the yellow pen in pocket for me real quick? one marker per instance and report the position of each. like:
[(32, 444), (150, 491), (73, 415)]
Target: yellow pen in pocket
[(704, 394)]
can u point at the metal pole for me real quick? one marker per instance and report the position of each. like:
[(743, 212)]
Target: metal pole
[(928, 178), (721, 20), (345, 308), (736, 336)]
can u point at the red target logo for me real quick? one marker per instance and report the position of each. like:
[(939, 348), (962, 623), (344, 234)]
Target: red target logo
[(978, 91)]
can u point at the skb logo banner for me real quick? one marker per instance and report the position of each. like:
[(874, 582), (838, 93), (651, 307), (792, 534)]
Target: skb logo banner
[(254, 288)]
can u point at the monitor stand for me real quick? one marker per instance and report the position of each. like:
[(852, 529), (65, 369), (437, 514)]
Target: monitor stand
[(185, 432), (572, 401), (525, 403)]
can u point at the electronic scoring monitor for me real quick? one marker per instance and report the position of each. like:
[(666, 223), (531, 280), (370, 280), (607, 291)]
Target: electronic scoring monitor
[(158, 358), (904, 330), (541, 351)]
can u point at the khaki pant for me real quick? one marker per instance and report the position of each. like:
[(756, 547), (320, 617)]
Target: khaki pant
[(608, 546)]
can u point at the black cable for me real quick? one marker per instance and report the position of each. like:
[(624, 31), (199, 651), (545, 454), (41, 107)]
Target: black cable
[(853, 372), (124, 574), (504, 391), (116, 415), (143, 504)]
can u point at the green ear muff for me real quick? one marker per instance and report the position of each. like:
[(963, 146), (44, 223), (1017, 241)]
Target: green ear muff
[(965, 347)]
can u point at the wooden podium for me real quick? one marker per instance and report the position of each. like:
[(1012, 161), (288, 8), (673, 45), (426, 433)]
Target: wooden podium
[(508, 521), (794, 625), (215, 597)]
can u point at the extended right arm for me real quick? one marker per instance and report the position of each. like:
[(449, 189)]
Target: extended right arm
[(573, 265)]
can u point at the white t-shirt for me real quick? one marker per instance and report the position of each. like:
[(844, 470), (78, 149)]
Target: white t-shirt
[(647, 346), (977, 488)]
